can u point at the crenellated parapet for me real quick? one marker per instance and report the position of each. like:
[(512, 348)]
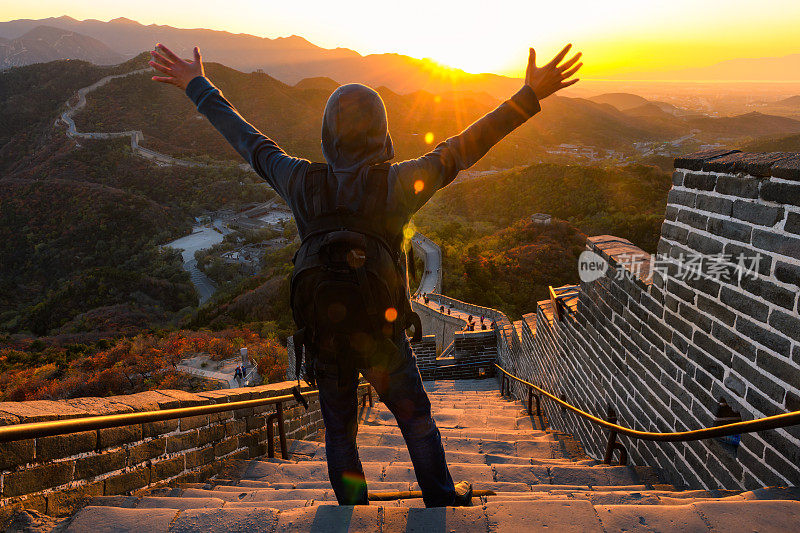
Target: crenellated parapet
[(55, 474), (661, 340)]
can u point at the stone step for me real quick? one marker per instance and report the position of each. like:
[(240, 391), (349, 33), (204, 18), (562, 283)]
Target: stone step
[(457, 451), (486, 420), (475, 433), (554, 514), (400, 471)]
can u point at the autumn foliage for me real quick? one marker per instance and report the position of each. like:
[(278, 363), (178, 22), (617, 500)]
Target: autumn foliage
[(30, 370)]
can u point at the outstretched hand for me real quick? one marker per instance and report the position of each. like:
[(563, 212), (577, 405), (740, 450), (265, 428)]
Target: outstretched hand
[(552, 77), (178, 72)]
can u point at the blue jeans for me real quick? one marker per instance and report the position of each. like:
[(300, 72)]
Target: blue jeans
[(396, 377)]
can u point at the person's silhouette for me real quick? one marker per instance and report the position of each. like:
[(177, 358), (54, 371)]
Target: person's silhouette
[(355, 141)]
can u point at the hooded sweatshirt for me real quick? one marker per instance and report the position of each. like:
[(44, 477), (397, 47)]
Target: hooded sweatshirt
[(355, 136)]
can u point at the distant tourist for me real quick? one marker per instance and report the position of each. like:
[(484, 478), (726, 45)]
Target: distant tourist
[(344, 207)]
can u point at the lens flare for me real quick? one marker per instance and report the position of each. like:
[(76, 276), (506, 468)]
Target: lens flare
[(419, 186), (390, 315)]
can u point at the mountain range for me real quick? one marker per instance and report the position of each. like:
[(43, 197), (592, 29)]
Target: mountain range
[(289, 59), (46, 43)]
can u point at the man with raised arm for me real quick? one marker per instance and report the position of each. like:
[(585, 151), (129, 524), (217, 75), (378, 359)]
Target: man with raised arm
[(349, 288)]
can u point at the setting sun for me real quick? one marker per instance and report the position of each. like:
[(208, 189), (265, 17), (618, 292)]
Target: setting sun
[(618, 38)]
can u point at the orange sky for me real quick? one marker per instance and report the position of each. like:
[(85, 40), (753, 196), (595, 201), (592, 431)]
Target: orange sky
[(617, 36)]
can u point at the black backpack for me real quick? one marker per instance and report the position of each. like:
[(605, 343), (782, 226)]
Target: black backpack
[(349, 290)]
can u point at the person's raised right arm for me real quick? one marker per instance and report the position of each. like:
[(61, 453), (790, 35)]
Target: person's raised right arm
[(261, 152)]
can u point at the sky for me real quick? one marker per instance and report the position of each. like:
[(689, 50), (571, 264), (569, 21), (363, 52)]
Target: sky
[(616, 36)]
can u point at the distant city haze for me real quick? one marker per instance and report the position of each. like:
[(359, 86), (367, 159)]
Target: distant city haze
[(621, 39)]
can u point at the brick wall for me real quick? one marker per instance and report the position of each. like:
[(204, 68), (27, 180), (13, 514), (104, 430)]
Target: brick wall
[(425, 352), (54, 474), (662, 339), (440, 325)]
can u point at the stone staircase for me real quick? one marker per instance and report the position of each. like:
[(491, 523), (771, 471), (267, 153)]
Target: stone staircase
[(541, 479)]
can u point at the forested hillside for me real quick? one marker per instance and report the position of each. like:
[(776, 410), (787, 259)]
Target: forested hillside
[(495, 256)]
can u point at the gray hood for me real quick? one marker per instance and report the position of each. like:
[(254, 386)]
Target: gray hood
[(355, 132)]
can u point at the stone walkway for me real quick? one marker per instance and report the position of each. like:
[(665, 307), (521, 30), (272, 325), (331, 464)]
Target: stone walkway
[(542, 484)]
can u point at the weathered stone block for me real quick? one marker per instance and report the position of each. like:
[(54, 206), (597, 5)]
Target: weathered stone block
[(782, 193), (200, 457), (59, 446), (729, 229), (147, 450), (15, 454), (209, 434), (66, 501), (226, 446), (128, 481), (156, 429), (37, 478), (94, 465), (193, 422), (183, 441), (110, 437), (736, 186), (161, 470)]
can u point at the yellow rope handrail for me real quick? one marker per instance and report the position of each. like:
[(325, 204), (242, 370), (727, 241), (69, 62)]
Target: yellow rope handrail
[(748, 426)]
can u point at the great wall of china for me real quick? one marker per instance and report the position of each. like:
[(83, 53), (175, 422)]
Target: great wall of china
[(663, 343)]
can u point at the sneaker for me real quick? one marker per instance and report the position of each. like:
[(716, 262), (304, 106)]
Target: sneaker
[(463, 494)]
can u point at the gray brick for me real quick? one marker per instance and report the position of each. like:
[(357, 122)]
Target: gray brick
[(785, 370), (734, 341), (715, 309), (792, 402), (735, 186), (763, 215), (674, 233), (756, 259), (744, 304), (704, 284), (704, 245), (715, 349), (709, 364), (692, 218), (684, 293), (692, 316), (671, 213), (782, 193), (787, 273), (676, 197), (765, 385), (769, 291), (677, 178), (762, 403), (735, 385), (735, 231), (793, 223), (704, 182), (715, 204), (767, 338), (773, 242)]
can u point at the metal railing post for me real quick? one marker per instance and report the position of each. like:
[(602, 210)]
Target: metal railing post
[(271, 434), (282, 431), (530, 401), (613, 444)]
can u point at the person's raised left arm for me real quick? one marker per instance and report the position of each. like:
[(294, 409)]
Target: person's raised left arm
[(418, 179), (261, 152)]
